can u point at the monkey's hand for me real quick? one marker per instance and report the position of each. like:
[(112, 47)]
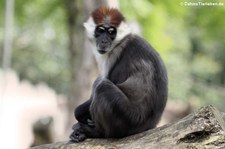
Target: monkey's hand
[(77, 134)]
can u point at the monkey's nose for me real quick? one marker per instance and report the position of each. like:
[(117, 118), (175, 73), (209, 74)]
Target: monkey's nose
[(104, 41)]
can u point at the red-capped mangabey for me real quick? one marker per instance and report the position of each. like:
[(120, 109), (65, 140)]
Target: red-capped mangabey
[(130, 93)]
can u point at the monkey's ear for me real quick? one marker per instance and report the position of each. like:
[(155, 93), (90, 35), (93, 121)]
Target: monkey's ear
[(90, 28)]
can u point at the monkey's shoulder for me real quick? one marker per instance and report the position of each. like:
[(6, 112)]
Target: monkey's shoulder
[(136, 57), (138, 48)]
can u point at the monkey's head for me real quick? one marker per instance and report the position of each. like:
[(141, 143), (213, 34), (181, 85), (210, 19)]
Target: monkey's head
[(106, 27)]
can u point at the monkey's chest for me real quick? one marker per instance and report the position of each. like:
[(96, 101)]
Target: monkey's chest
[(113, 70)]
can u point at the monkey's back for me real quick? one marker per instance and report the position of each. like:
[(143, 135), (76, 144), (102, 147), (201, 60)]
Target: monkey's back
[(140, 58), (136, 50)]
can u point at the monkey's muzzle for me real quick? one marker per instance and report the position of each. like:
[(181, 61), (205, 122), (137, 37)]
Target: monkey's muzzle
[(102, 51)]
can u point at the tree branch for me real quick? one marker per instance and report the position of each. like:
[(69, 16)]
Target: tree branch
[(202, 129)]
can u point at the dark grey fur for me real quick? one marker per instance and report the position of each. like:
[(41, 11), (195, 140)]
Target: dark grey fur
[(129, 99)]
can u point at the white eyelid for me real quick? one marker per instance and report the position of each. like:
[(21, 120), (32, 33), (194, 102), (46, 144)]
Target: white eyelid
[(111, 29), (102, 28)]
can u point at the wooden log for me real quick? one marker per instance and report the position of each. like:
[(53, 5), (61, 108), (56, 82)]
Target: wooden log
[(204, 128)]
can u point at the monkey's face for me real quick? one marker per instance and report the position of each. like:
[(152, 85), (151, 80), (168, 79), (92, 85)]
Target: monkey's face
[(104, 35), (105, 29)]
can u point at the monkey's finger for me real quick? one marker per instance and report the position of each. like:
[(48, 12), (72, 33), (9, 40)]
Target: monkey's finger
[(90, 122)]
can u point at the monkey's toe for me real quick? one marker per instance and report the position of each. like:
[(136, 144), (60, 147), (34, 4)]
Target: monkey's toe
[(77, 137)]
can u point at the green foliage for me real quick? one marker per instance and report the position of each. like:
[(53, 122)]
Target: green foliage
[(191, 41), (40, 43)]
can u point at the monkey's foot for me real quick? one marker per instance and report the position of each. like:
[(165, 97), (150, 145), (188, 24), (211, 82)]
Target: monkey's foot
[(77, 135)]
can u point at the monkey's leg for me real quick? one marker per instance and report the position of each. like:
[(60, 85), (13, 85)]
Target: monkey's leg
[(111, 110), (82, 112)]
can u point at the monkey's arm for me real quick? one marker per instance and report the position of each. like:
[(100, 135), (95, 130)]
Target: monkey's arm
[(112, 100), (106, 89)]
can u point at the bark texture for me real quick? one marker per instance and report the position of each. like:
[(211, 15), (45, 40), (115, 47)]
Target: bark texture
[(204, 128)]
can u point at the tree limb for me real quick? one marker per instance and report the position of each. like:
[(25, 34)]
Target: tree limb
[(202, 129)]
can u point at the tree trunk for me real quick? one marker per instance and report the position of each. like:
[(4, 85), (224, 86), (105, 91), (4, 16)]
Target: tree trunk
[(202, 129), (8, 34), (82, 64)]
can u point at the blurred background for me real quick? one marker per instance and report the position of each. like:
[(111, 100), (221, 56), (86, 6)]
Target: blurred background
[(47, 67)]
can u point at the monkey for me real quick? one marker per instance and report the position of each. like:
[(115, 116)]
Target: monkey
[(130, 93)]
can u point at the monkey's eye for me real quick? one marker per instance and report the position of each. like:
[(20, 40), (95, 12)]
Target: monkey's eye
[(100, 29), (111, 30)]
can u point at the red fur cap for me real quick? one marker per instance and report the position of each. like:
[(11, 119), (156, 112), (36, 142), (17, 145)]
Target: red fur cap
[(106, 15)]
